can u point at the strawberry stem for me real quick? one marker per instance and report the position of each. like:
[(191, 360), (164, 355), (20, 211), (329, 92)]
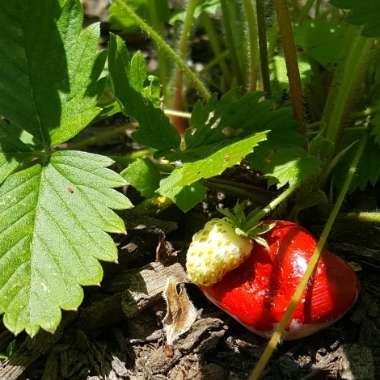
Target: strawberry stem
[(250, 225), (258, 215)]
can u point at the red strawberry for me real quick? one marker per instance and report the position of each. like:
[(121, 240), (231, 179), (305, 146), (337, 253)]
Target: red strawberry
[(258, 292)]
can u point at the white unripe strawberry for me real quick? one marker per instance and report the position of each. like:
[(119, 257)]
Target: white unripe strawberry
[(215, 250)]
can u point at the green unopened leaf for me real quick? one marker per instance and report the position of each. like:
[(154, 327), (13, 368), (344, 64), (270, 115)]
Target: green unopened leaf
[(154, 129), (214, 164), (366, 13), (143, 175), (49, 68), (53, 225)]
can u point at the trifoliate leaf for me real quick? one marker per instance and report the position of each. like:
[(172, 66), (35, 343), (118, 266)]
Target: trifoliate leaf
[(221, 122), (154, 129), (49, 68), (212, 165), (53, 225), (283, 157), (143, 175), (366, 13)]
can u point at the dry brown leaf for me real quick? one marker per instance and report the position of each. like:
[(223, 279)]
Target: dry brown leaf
[(180, 314)]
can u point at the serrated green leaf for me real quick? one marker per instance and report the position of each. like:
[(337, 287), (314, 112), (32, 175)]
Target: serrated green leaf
[(366, 13), (214, 164), (143, 175), (12, 149), (321, 40), (279, 76), (220, 122), (190, 196), (48, 68), (282, 158), (53, 225), (368, 170), (287, 165), (154, 129), (137, 72), (375, 132)]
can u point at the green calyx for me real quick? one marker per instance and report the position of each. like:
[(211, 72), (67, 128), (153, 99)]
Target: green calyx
[(247, 225)]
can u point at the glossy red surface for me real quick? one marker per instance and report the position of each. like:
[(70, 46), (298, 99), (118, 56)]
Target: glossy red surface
[(258, 292)]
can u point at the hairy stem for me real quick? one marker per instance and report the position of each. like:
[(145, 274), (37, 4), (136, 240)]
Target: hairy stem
[(178, 105), (216, 47), (252, 44), (290, 53), (263, 46), (227, 23), (279, 332), (162, 59), (348, 73), (198, 84)]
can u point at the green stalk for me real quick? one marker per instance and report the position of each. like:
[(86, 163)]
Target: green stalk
[(364, 216), (252, 44), (163, 64), (273, 204), (306, 9), (348, 73), (279, 332), (263, 46), (227, 22), (166, 49), (178, 105), (290, 53), (216, 47), (317, 9), (215, 61)]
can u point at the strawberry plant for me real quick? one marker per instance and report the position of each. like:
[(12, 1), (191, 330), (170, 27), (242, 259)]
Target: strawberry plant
[(269, 105), (56, 205)]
